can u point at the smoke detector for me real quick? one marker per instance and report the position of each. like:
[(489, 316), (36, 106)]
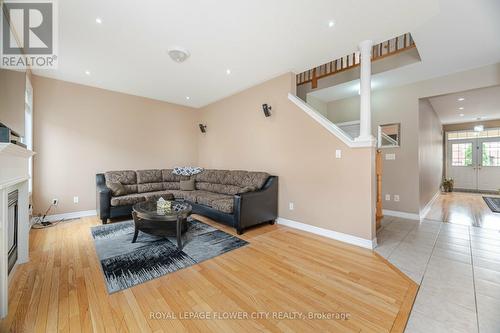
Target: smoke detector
[(178, 54)]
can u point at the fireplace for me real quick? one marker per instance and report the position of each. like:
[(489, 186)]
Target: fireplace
[(12, 221)]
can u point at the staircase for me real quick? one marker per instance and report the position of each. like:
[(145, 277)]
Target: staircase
[(382, 50)]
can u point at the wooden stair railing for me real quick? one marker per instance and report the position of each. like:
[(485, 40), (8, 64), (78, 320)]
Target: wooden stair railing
[(379, 51)]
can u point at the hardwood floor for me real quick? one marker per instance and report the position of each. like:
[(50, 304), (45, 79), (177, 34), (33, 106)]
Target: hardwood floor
[(464, 208), (281, 272)]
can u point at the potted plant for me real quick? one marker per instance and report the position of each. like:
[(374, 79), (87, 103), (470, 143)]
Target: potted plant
[(448, 185)]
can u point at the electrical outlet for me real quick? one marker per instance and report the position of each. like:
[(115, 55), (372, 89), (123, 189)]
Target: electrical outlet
[(396, 197), (338, 153), (76, 200), (387, 197), (55, 202), (290, 206)]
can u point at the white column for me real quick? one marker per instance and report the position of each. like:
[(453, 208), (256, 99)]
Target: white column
[(365, 116)]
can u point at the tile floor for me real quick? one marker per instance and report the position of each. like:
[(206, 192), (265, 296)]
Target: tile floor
[(457, 268)]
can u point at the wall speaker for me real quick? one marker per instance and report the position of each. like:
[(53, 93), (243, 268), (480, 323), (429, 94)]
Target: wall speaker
[(203, 128), (267, 110)]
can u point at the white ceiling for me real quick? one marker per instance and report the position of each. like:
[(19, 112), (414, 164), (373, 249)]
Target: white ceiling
[(256, 39), (481, 103), (464, 35)]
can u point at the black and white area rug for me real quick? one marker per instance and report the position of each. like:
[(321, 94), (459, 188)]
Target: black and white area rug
[(126, 264), (493, 203)]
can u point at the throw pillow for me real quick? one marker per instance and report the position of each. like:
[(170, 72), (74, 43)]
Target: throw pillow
[(187, 171), (187, 185), (117, 189)]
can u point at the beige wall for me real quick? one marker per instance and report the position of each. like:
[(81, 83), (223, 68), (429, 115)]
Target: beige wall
[(335, 194), (430, 152), (318, 105), (400, 104), (80, 131), (12, 90)]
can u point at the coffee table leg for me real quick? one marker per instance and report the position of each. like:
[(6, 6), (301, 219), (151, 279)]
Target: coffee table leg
[(179, 230), (136, 227)]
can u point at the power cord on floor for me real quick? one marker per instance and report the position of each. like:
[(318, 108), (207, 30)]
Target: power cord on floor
[(40, 223)]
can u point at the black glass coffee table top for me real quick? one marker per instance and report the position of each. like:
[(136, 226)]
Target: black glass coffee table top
[(148, 210), (171, 221)]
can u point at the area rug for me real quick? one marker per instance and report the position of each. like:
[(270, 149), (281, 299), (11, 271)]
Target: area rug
[(126, 264), (493, 203)]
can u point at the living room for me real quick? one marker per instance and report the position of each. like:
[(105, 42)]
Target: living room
[(173, 178)]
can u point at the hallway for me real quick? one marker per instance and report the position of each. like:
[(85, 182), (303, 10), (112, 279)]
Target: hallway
[(464, 208), (457, 265)]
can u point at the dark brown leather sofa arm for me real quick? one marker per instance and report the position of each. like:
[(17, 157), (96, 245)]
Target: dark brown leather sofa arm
[(103, 197), (257, 207)]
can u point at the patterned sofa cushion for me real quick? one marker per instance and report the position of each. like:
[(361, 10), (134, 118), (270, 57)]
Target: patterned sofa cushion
[(247, 180), (126, 177), (223, 205), (168, 176), (219, 188), (171, 185), (128, 199), (149, 176), (211, 176), (149, 187), (222, 202)]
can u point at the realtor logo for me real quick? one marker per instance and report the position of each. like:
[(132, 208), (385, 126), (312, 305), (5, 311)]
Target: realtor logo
[(29, 34)]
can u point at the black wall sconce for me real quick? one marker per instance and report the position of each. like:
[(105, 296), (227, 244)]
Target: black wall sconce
[(267, 110), (203, 128)]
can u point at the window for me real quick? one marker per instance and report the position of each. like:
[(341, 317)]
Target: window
[(461, 154), (491, 154), (487, 133)]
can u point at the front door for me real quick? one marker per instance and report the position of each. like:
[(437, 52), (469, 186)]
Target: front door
[(488, 170), (462, 161), (473, 160)]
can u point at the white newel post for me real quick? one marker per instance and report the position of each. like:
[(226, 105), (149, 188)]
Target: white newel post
[(365, 116)]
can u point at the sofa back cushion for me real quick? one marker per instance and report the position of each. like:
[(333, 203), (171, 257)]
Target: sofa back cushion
[(127, 178), (230, 182), (211, 176), (171, 181), (149, 176), (247, 180), (168, 176), (149, 180), (219, 188)]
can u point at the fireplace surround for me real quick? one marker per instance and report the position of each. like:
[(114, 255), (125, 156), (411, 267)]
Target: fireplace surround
[(14, 215), (12, 228)]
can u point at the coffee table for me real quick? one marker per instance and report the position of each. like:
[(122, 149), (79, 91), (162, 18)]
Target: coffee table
[(161, 223)]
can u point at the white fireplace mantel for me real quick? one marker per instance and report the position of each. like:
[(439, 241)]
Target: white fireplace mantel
[(14, 175)]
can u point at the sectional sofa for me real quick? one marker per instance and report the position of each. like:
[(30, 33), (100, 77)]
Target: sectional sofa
[(240, 199)]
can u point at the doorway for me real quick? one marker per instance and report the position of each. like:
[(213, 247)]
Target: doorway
[(473, 159)]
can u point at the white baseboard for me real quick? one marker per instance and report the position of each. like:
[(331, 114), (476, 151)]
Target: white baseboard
[(427, 207), (68, 216), (404, 215), (346, 238)]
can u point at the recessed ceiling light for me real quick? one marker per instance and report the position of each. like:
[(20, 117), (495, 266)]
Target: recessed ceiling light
[(461, 99), (178, 54), (461, 108), (331, 23), (461, 115), (98, 20), (228, 71), (187, 97), (87, 72)]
